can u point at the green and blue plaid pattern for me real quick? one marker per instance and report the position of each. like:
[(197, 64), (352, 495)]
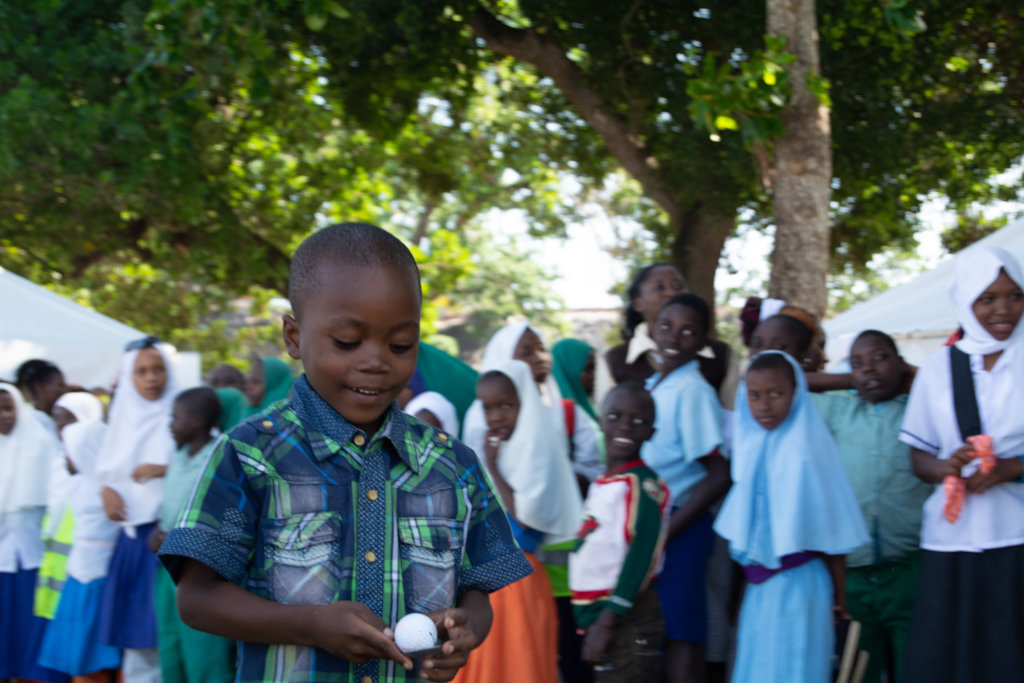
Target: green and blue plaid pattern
[(298, 506)]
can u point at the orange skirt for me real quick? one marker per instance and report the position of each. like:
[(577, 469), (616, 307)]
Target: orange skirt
[(523, 642)]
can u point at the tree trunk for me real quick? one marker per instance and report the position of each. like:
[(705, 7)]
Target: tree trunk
[(699, 238), (802, 172)]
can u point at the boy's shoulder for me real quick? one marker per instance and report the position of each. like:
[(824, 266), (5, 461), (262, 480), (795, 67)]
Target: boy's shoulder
[(637, 474)]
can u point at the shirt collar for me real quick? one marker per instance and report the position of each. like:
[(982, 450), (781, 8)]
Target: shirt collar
[(319, 418), (632, 464)]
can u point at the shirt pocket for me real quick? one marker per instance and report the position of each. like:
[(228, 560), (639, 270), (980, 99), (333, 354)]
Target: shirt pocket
[(431, 552), (301, 557)]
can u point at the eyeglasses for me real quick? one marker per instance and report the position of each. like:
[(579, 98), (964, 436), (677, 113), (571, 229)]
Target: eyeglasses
[(146, 342)]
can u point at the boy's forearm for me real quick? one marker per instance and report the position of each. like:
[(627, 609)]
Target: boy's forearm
[(837, 569), (477, 606), (207, 602), (705, 494)]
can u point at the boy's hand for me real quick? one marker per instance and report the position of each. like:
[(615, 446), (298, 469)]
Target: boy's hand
[(1006, 469), (351, 631), (456, 631), (597, 638), (113, 505), (144, 473)]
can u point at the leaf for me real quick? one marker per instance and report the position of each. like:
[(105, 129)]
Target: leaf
[(316, 22), (337, 10), (723, 122)]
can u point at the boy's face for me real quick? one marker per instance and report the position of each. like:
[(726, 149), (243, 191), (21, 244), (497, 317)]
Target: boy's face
[(627, 421), (357, 339), (770, 396), (185, 425), (500, 402), (877, 371), (255, 386)]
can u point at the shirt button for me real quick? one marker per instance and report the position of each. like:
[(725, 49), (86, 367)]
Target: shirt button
[(267, 424), (372, 494), (442, 437), (359, 439), (367, 679), (371, 557)]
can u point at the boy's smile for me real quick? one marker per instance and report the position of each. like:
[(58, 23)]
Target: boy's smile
[(627, 420), (358, 339), (679, 335)]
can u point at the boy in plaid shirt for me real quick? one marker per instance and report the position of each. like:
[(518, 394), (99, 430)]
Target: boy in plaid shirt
[(321, 522)]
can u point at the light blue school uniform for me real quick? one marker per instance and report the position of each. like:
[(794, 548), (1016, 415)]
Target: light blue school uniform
[(790, 495)]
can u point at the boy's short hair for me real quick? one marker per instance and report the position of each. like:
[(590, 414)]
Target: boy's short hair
[(696, 304), (201, 401), (345, 244), (880, 336), (772, 361), (633, 388)]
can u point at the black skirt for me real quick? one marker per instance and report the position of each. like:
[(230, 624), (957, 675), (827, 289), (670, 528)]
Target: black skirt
[(968, 623)]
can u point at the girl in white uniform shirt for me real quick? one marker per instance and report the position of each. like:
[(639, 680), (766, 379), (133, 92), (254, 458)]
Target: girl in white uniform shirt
[(135, 453), (27, 449), (968, 622)]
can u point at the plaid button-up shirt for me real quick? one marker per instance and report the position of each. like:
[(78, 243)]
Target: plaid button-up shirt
[(287, 494)]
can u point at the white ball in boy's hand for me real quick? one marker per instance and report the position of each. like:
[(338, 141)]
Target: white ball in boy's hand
[(415, 632)]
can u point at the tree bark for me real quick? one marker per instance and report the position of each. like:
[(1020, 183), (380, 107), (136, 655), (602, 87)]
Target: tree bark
[(697, 247), (802, 169)]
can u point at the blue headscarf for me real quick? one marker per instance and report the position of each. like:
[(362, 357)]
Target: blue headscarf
[(790, 492)]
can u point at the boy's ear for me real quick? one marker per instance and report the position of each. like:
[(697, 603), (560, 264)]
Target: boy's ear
[(290, 330)]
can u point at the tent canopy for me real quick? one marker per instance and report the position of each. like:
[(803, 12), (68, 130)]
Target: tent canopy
[(919, 314), (84, 344)]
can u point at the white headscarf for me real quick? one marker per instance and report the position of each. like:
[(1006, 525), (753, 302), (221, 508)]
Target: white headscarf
[(499, 349), (437, 404), (536, 465), (139, 432), (94, 535), (26, 455), (973, 271), (83, 405)]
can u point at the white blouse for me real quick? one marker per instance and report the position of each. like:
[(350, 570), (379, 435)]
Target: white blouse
[(994, 519)]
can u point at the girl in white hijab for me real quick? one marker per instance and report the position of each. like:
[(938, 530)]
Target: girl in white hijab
[(435, 410), (968, 622), (27, 449), (136, 450), (520, 341), (72, 644)]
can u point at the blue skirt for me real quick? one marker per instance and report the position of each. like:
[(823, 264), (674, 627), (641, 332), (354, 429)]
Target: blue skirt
[(682, 586), (72, 640), (127, 614), (21, 632), (786, 633)]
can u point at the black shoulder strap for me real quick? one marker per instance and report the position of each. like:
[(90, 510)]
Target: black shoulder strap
[(965, 401)]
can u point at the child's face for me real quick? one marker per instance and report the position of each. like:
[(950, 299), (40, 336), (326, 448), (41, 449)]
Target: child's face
[(531, 350), (500, 402), (429, 417), (660, 285), (626, 423), (222, 377), (357, 339), (775, 335), (586, 378), (186, 425), (679, 335), (999, 307), (8, 413), (770, 396), (46, 394), (62, 417), (149, 374), (255, 385), (877, 371)]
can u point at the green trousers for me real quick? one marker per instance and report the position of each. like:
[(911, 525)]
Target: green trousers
[(881, 598), (187, 655)]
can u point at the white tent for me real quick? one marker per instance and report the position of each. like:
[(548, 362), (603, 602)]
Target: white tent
[(86, 345), (919, 314)]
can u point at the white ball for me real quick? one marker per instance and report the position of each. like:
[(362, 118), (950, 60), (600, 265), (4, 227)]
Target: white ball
[(415, 632)]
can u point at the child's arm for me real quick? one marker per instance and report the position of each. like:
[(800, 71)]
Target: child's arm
[(837, 569), (144, 473), (933, 470), (463, 629), (705, 494), (492, 448), (829, 381), (209, 602)]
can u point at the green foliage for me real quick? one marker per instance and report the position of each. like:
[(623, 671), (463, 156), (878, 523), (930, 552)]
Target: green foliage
[(970, 227)]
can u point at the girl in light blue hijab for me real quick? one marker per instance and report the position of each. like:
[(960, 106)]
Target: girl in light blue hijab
[(789, 518)]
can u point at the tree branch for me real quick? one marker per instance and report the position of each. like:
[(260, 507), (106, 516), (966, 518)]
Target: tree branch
[(550, 59)]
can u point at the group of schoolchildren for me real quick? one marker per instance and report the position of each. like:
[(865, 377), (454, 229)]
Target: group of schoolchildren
[(655, 514)]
